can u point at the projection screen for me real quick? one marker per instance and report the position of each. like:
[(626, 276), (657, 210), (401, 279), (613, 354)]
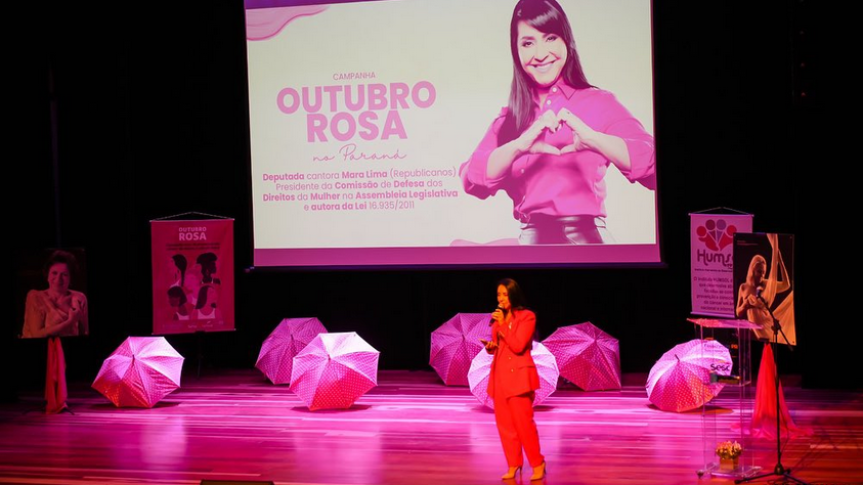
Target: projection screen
[(374, 127)]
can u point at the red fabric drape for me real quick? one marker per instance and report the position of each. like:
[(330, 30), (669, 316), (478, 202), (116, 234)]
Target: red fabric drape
[(764, 416), (55, 378)]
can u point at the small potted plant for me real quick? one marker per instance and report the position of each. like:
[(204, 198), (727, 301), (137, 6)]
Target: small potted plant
[(729, 454)]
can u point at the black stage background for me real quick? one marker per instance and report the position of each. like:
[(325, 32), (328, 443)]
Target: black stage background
[(152, 120)]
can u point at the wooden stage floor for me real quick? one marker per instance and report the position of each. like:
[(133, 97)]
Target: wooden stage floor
[(409, 430)]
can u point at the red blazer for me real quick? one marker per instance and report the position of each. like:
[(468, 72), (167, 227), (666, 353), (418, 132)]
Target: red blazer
[(512, 363)]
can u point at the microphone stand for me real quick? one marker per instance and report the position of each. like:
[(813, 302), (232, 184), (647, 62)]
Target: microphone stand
[(779, 470)]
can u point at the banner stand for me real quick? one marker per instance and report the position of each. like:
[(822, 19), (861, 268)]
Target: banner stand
[(193, 274), (722, 210), (52, 309), (185, 216), (199, 344), (711, 259)]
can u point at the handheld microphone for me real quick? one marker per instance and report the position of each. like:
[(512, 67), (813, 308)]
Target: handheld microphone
[(491, 320)]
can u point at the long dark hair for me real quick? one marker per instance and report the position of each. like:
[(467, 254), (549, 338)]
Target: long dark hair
[(545, 16), (178, 293), (181, 264), (513, 291), (208, 266), (202, 298)]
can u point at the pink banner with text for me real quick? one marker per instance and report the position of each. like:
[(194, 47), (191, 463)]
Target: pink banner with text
[(193, 276), (712, 248)]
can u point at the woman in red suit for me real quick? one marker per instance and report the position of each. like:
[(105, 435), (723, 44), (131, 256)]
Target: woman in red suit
[(514, 379)]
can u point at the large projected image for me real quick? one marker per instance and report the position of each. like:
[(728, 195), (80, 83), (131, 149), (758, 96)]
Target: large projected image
[(419, 132)]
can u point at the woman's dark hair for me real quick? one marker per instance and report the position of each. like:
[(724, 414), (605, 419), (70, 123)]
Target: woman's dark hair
[(181, 264), (57, 257), (177, 292), (513, 291), (202, 297), (208, 266), (546, 16)]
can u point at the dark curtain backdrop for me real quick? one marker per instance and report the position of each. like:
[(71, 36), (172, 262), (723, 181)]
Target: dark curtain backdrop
[(151, 117)]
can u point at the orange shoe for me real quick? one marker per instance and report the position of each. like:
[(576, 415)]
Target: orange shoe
[(511, 473), (539, 472)]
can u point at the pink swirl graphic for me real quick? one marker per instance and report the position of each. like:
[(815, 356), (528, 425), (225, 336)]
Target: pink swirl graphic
[(265, 23)]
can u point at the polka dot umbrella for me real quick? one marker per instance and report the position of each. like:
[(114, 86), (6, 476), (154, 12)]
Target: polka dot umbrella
[(140, 372), (334, 370), (680, 379), (546, 367), (455, 343), (277, 354), (586, 356)]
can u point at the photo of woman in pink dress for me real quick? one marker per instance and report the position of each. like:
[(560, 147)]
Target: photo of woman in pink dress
[(551, 147)]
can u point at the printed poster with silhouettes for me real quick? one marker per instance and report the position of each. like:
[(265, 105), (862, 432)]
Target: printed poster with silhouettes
[(193, 277), (764, 283), (711, 253)]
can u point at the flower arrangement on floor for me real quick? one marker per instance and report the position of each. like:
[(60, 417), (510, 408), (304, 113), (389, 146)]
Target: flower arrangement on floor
[(728, 450)]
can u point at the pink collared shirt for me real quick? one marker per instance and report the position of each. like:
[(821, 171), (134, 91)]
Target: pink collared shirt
[(570, 184)]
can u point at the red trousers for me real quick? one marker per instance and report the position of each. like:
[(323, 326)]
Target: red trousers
[(514, 417)]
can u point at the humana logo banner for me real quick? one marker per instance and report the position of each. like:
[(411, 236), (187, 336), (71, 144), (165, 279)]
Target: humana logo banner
[(712, 237)]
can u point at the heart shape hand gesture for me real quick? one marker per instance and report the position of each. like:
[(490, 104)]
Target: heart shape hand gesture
[(529, 141)]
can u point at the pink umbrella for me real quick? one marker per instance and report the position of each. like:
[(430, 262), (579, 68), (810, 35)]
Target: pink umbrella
[(587, 356), (334, 370), (140, 372), (546, 367), (680, 379), (286, 341), (454, 345)]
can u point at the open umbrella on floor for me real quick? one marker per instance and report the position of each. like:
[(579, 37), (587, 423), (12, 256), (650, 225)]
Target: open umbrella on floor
[(334, 370), (586, 356), (680, 379), (141, 372), (291, 335), (546, 367), (454, 345)]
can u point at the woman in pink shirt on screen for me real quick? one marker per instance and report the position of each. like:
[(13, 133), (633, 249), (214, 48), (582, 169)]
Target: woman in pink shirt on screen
[(551, 147)]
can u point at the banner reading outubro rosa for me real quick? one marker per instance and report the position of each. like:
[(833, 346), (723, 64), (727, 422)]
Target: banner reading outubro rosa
[(193, 275), (364, 116)]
